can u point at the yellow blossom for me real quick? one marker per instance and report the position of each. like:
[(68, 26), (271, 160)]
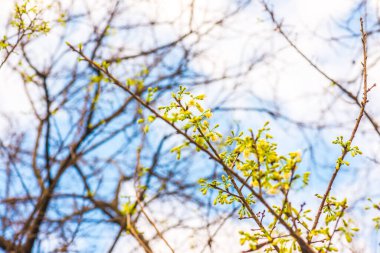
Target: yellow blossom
[(272, 191)]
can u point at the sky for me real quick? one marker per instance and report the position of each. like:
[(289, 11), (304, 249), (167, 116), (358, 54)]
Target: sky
[(300, 91)]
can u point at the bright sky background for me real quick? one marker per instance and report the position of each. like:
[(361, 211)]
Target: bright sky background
[(295, 82)]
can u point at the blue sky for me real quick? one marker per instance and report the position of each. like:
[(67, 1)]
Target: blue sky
[(285, 82)]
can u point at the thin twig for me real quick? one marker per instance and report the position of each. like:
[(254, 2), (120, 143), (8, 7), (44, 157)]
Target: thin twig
[(354, 130)]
